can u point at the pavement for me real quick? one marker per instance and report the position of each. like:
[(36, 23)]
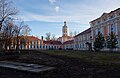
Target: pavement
[(35, 68)]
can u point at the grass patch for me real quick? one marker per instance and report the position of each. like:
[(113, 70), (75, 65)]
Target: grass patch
[(99, 57)]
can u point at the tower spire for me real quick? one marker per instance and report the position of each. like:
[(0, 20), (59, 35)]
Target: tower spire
[(65, 29), (64, 21)]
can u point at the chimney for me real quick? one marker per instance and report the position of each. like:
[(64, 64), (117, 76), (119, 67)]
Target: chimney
[(42, 38)]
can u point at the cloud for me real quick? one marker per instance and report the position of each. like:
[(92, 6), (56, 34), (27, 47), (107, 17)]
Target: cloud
[(44, 18), (57, 8), (82, 12), (52, 1)]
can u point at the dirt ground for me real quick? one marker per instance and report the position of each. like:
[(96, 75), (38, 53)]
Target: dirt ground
[(65, 67)]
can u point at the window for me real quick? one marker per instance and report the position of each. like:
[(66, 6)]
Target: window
[(98, 22), (80, 45), (104, 19), (43, 46), (118, 43), (105, 45), (98, 29), (111, 17), (83, 45), (55, 47), (52, 47), (27, 46), (119, 14), (112, 28), (31, 46), (94, 32)]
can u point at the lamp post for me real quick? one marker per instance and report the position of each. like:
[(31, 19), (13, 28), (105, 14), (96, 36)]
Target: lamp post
[(91, 43)]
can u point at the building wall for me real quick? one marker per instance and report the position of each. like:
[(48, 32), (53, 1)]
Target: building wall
[(42, 46), (32, 42), (105, 24), (68, 45), (81, 40)]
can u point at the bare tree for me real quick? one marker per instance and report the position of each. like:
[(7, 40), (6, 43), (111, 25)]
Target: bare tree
[(75, 33), (22, 31), (48, 35), (18, 29), (71, 33), (53, 37), (11, 35), (26, 30), (6, 27), (6, 10), (9, 30)]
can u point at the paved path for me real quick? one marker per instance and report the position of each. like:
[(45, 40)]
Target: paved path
[(35, 68)]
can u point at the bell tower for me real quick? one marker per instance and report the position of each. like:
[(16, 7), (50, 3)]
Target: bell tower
[(65, 30)]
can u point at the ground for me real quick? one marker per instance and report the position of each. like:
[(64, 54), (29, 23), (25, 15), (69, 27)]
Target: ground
[(68, 64)]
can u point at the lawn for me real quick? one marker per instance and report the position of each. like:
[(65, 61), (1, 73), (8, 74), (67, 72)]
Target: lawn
[(98, 57), (67, 63)]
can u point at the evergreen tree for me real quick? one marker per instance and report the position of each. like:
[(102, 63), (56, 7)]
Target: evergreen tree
[(99, 42), (112, 41)]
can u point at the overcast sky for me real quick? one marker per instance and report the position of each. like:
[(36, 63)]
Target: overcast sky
[(48, 15)]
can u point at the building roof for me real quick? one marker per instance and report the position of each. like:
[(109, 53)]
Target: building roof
[(67, 37), (84, 32), (69, 42), (30, 38), (52, 42), (59, 37), (105, 14)]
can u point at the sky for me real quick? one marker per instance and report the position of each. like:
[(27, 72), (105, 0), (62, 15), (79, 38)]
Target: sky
[(45, 16)]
